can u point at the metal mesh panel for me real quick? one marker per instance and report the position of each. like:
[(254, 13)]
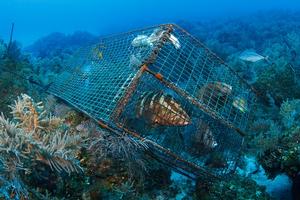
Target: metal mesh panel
[(193, 142), (97, 76), (194, 67), (162, 84)]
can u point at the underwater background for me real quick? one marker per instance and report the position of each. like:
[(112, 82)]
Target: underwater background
[(50, 148)]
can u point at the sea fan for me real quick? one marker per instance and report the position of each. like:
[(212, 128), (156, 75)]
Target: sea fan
[(40, 138), (122, 145), (11, 139), (290, 113), (27, 112), (58, 152), (34, 138)]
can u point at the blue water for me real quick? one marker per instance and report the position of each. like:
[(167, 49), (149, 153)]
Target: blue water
[(36, 18)]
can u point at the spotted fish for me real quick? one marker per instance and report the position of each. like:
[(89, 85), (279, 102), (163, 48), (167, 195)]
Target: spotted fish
[(159, 109)]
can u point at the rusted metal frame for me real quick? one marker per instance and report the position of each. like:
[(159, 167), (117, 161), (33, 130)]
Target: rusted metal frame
[(192, 173), (128, 93), (185, 165), (133, 85), (195, 102), (221, 61), (178, 170), (114, 130), (181, 169), (152, 57), (110, 36), (193, 168)]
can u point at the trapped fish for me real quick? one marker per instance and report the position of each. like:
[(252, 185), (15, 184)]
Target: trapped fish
[(251, 56), (141, 40), (216, 160), (144, 40), (174, 41), (158, 108), (202, 140), (135, 60), (214, 94), (240, 103), (97, 54)]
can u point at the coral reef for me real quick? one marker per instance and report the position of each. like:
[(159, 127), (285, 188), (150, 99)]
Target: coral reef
[(34, 140), (237, 187), (67, 156), (13, 66), (285, 157), (277, 142), (58, 44), (278, 81), (290, 113), (265, 135), (49, 55), (114, 162)]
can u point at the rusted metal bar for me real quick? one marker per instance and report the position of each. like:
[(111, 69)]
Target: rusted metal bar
[(175, 159), (128, 93), (162, 40), (144, 67)]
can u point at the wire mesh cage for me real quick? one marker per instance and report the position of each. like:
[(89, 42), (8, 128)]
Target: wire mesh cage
[(163, 85)]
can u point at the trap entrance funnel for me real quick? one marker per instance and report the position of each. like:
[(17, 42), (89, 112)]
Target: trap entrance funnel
[(163, 86)]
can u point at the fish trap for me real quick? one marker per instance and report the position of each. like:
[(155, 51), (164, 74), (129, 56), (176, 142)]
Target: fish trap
[(163, 86)]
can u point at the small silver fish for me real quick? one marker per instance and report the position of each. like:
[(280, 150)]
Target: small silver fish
[(158, 108), (251, 56)]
